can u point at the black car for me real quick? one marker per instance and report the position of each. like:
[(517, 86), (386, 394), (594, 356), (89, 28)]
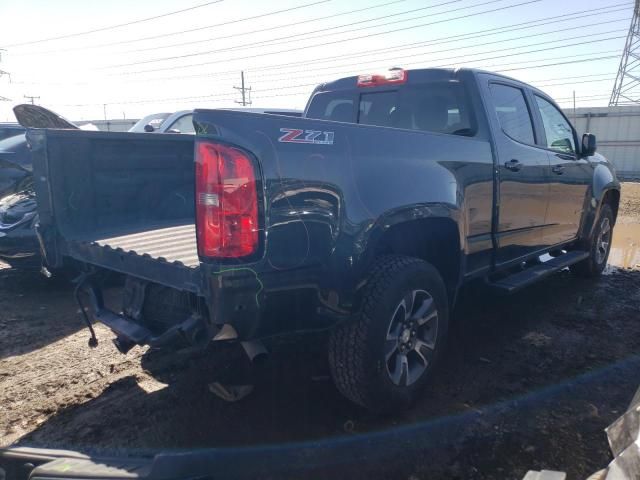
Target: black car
[(19, 245), (10, 130)]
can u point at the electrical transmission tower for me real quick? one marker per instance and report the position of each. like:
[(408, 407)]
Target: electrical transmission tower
[(626, 90), (246, 91)]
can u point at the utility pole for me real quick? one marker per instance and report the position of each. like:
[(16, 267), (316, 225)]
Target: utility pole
[(31, 98), (245, 91)]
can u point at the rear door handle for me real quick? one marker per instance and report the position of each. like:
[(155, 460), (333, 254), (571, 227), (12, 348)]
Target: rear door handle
[(558, 169), (513, 165)]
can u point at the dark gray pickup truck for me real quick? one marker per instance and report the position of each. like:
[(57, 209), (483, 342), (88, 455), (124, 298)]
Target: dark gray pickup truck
[(365, 217)]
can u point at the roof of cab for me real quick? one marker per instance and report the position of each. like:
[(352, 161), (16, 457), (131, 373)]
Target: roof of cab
[(420, 75)]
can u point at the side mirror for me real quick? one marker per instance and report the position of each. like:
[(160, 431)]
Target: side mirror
[(149, 128), (588, 144)]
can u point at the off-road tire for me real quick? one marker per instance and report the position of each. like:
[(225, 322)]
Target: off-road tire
[(594, 265), (357, 347)]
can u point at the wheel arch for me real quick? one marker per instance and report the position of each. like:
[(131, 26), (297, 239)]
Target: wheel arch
[(609, 196), (612, 198), (435, 239)]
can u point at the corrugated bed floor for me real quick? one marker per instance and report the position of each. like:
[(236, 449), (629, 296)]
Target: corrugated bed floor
[(173, 244)]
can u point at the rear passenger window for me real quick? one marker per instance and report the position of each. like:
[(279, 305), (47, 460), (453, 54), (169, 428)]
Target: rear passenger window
[(513, 114)]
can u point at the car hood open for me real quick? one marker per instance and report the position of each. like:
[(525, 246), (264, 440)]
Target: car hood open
[(35, 116)]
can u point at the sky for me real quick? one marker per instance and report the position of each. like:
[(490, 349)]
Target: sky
[(193, 58)]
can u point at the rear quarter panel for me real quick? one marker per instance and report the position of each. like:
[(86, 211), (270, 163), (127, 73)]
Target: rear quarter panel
[(326, 204)]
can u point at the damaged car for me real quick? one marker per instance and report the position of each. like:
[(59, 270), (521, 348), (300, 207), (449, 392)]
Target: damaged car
[(19, 245)]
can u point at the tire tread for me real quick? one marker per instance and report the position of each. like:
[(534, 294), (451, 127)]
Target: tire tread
[(348, 342)]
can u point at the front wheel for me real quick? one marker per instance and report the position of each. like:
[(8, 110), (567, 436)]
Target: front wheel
[(384, 356), (599, 246)]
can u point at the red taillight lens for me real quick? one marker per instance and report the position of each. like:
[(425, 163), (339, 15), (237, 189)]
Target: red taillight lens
[(226, 201)]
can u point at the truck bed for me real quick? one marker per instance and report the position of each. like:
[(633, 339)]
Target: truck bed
[(169, 243), (121, 201)]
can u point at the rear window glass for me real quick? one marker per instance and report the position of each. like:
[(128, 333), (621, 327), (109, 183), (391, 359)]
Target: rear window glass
[(336, 106), (436, 107)]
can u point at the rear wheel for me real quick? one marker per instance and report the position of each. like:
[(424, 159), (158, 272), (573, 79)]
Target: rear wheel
[(383, 357), (599, 246)]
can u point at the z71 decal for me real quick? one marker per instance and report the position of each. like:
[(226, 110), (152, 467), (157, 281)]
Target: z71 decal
[(296, 135)]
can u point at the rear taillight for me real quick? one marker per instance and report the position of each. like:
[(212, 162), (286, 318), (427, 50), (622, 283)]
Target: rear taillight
[(226, 201)]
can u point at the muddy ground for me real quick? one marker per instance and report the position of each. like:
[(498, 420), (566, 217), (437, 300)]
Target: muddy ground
[(529, 382)]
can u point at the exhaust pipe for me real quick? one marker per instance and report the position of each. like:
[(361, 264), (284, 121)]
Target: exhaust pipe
[(255, 350)]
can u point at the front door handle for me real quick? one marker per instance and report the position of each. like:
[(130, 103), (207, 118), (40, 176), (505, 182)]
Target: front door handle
[(558, 169), (513, 165)]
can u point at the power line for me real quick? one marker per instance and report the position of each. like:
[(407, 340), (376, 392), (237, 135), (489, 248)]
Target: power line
[(277, 27), (315, 76), (111, 27), (608, 79), (590, 54), (177, 99), (225, 97), (258, 96), (574, 76), (289, 37), (274, 41), (441, 40), (565, 62), (181, 32), (300, 93), (340, 41), (396, 58)]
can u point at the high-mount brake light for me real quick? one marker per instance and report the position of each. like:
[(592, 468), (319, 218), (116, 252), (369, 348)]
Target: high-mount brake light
[(226, 201), (391, 77)]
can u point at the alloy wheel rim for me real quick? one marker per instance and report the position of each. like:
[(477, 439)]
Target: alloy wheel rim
[(411, 338), (604, 240)]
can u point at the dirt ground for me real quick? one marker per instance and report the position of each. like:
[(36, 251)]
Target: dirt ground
[(529, 382)]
